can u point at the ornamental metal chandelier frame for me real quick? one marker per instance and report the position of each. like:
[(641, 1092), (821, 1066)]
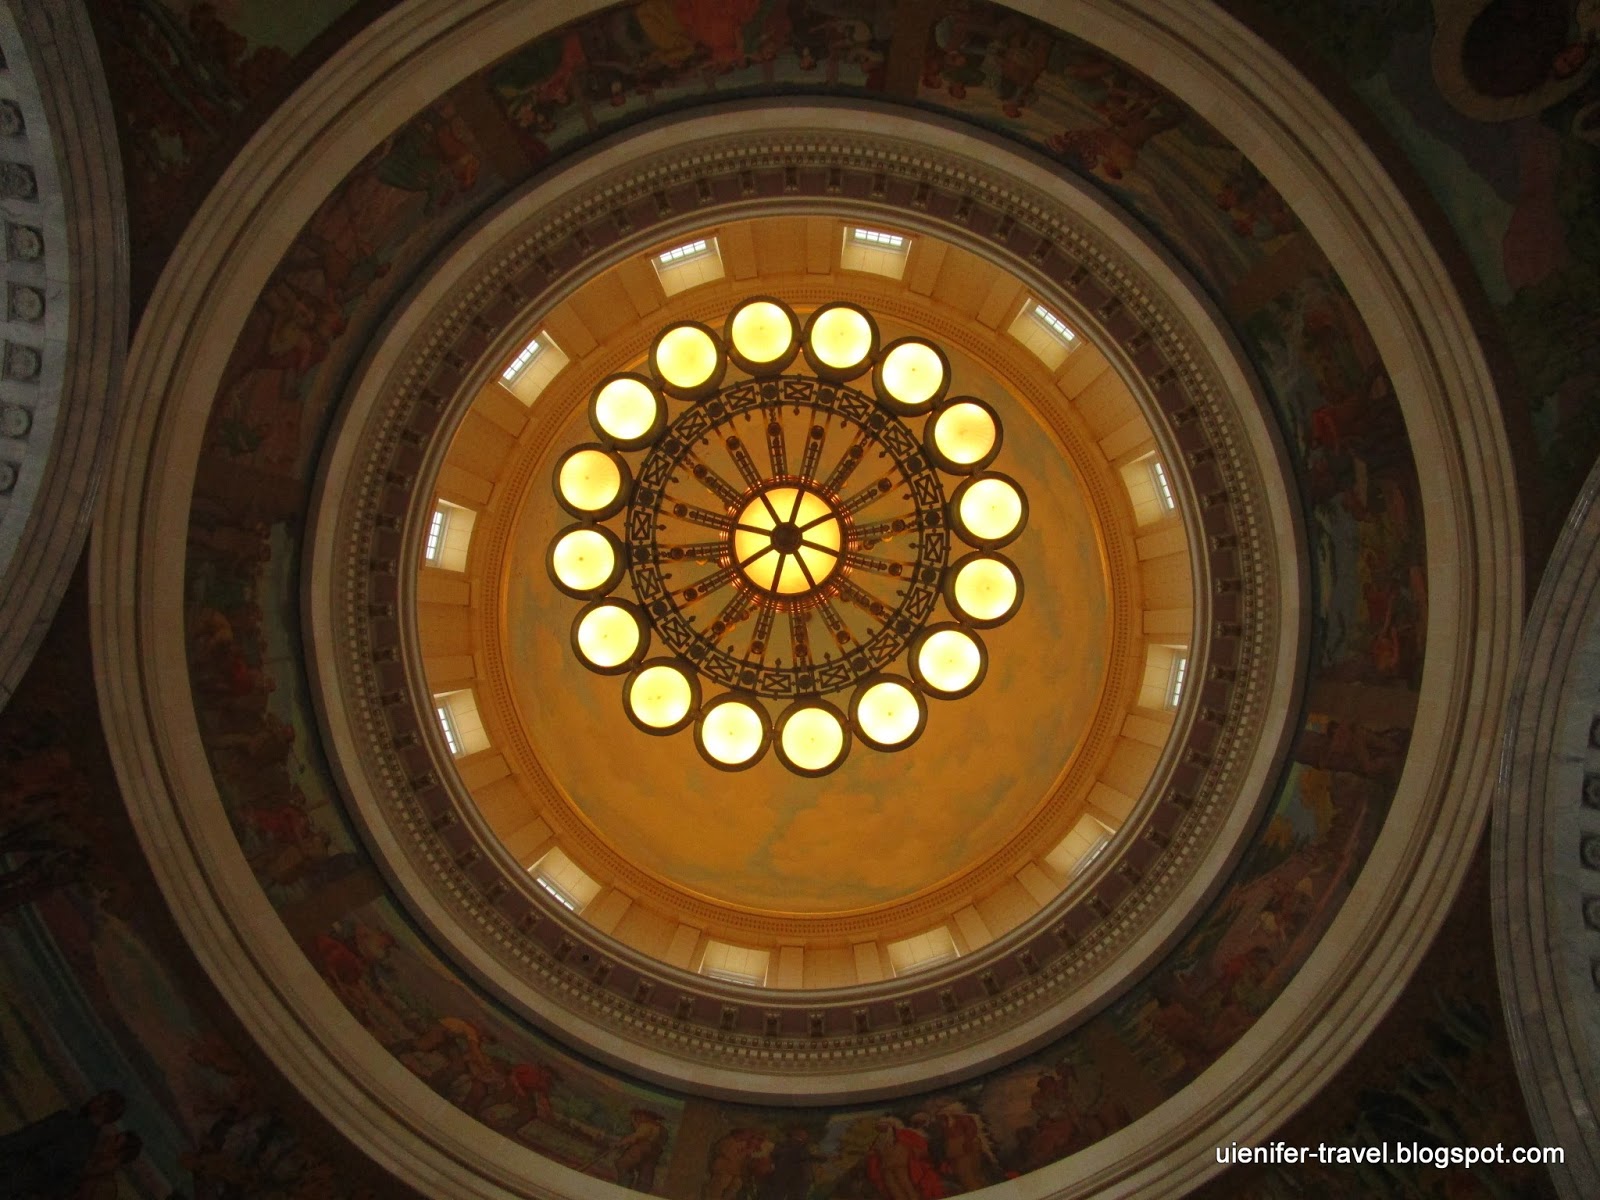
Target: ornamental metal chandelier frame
[(855, 540)]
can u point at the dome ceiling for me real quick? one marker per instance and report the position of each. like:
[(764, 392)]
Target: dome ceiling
[(767, 839), (764, 839), (314, 317)]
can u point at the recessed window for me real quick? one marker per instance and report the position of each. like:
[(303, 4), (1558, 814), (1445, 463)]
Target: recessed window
[(922, 951), (1163, 486), (735, 964), (874, 250), (1166, 670), (531, 371), (436, 528), (1082, 845), (688, 265), (1149, 488), (1180, 670), (457, 714), (449, 536), (1089, 856), (1039, 329), (448, 723), (564, 881)]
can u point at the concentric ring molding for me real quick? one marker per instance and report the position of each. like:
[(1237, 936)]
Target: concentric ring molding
[(1425, 340), (1078, 951)]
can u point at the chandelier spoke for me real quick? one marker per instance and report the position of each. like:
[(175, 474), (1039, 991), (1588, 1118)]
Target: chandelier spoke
[(715, 484), (712, 583), (867, 496), (800, 559), (760, 637), (867, 536), (857, 561), (815, 437), (742, 460), (693, 551), (799, 635), (777, 448), (853, 593), (848, 462), (696, 515)]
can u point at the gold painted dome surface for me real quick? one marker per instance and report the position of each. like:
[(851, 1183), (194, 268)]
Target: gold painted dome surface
[(884, 827)]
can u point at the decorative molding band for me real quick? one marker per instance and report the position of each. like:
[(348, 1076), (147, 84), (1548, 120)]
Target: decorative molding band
[(63, 309), (1545, 845), (1029, 984)]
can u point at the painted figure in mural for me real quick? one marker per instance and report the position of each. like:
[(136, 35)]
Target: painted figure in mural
[(58, 1155), (1133, 111), (966, 1154), (793, 1164), (899, 1164), (734, 1162), (638, 1152)]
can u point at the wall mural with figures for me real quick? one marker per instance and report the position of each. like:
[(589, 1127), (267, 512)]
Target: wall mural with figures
[(99, 994)]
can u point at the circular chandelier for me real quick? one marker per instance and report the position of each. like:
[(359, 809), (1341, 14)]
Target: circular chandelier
[(787, 536)]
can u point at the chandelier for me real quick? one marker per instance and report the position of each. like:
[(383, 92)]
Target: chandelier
[(786, 537)]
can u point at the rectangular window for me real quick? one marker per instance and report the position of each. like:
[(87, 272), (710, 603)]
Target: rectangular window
[(1158, 476), (560, 897), (735, 964), (877, 237), (458, 718), (1180, 668), (1053, 323), (532, 370), (1094, 851), (569, 884), (1045, 334), (448, 724), (692, 249), (688, 265), (1078, 849), (922, 951), (436, 528), (449, 536), (876, 251)]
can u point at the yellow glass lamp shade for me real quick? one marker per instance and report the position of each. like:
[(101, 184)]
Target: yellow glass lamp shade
[(840, 339), (787, 541), (610, 636), (660, 696), (687, 359), (964, 436), (990, 510), (812, 738), (984, 589), (627, 411), (590, 482), (732, 733), (947, 660), (585, 560), (761, 336), (912, 375), (888, 713)]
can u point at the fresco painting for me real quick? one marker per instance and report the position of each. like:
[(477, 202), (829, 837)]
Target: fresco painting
[(1325, 379), (174, 1103), (1495, 105), (204, 1109), (616, 65)]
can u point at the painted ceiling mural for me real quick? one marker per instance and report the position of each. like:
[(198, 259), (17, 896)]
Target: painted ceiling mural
[(204, 1111)]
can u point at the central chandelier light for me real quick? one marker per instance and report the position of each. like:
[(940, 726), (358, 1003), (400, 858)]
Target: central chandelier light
[(786, 537)]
